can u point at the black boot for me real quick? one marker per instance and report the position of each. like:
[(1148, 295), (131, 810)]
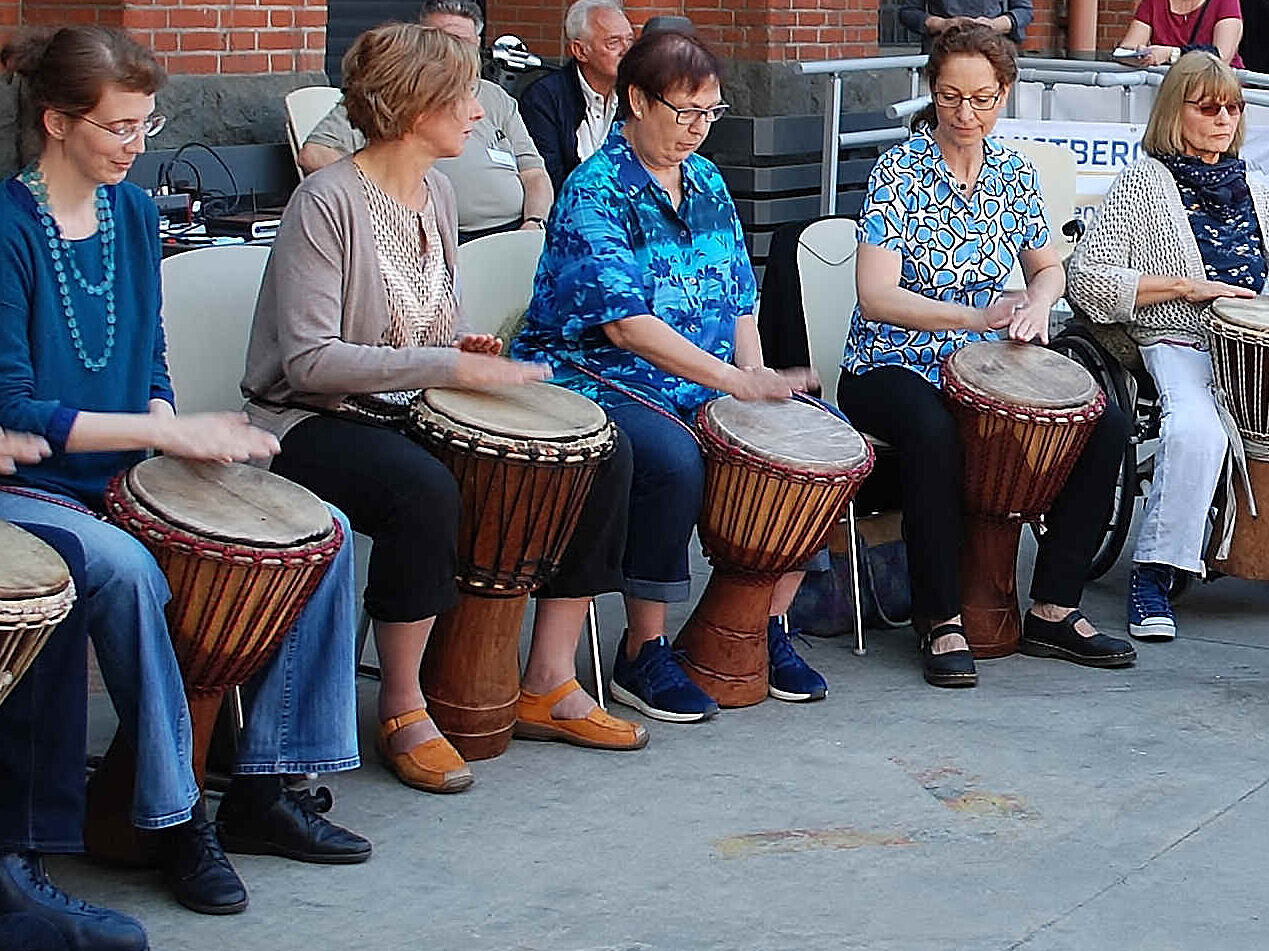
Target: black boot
[(42, 916), (258, 816), (200, 876)]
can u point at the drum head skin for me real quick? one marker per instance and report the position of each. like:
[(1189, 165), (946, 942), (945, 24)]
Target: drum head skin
[(533, 411), (1022, 375), (232, 503), (788, 432), (1250, 313), (29, 568)]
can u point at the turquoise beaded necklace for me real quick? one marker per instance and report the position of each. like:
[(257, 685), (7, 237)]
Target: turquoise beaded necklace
[(63, 257)]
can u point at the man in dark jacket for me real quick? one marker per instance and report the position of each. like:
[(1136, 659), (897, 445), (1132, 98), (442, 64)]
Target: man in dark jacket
[(929, 18), (568, 113)]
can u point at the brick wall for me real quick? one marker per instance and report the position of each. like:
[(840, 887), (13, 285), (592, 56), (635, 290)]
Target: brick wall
[(190, 36), (770, 31)]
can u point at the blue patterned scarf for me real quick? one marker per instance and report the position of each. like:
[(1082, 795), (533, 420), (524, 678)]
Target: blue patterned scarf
[(1222, 217)]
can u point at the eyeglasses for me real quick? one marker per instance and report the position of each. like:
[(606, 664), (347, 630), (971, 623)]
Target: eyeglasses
[(127, 132), (979, 102), (689, 116), (1213, 109)]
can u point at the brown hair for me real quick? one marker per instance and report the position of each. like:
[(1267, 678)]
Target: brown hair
[(1195, 75), (971, 39), (67, 70), (399, 71), (660, 61)]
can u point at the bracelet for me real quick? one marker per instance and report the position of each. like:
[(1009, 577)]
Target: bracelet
[(539, 220), (1174, 56)]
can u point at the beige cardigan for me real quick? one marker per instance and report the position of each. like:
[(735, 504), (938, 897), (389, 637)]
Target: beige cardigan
[(1142, 228), (322, 310)]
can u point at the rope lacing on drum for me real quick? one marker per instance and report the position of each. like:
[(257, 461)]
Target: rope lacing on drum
[(1241, 448)]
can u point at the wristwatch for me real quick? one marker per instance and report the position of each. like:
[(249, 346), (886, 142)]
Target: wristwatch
[(1174, 56)]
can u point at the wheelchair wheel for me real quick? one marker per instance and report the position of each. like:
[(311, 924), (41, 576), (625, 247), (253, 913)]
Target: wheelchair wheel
[(1112, 378)]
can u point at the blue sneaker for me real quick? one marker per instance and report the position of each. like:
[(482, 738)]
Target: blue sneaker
[(790, 677), (655, 685), (1150, 615)]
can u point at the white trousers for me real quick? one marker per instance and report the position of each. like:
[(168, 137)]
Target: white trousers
[(1189, 460)]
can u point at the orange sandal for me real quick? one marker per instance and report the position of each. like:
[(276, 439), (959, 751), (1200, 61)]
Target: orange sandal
[(433, 766), (598, 729)]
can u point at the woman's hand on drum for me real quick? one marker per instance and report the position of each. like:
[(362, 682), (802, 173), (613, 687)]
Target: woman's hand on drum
[(23, 448), (479, 343), (213, 437), (480, 371), (763, 383), (1030, 322), (1200, 292)]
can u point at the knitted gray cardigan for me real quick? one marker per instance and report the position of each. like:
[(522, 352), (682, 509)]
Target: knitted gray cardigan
[(322, 309), (1142, 228)]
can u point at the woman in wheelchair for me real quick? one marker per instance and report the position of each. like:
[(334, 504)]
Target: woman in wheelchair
[(924, 292), (1178, 229)]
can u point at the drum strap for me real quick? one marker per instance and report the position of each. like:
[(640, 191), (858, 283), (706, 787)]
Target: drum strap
[(1240, 449), (55, 500)]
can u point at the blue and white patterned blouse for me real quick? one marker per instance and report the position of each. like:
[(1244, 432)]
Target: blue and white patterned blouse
[(616, 248), (954, 248)]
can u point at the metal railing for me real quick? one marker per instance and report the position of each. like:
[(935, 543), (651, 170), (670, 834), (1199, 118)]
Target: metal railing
[(1049, 73)]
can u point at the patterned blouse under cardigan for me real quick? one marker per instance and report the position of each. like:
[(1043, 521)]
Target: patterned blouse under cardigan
[(1142, 228)]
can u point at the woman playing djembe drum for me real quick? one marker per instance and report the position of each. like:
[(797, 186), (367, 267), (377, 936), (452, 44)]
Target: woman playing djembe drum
[(945, 217), (357, 311), (643, 302), (82, 365), (1179, 229)]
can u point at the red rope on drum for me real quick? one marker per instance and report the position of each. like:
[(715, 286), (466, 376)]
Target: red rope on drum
[(40, 496)]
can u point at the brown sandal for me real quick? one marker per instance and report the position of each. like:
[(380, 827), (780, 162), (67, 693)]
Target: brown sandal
[(598, 729), (433, 766)]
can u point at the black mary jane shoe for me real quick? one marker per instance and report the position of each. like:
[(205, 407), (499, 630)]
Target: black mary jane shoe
[(258, 816), (951, 668), (1060, 639)]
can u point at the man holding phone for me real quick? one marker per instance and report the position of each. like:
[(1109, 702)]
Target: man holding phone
[(929, 18)]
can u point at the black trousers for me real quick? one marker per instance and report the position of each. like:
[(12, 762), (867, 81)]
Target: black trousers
[(908, 412), (403, 497), (43, 730)]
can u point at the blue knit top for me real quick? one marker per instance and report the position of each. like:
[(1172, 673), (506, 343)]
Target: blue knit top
[(43, 383)]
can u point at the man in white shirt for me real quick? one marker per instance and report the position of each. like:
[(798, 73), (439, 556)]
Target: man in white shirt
[(569, 112), (499, 180)]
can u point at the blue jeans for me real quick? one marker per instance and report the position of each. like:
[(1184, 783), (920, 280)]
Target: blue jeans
[(665, 502), (43, 731), (301, 708)]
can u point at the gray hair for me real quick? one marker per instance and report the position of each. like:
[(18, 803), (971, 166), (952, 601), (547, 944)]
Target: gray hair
[(577, 19), (459, 8)]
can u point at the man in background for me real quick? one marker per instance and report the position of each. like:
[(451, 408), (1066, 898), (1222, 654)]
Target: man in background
[(500, 181)]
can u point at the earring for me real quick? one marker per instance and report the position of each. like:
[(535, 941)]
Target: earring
[(638, 115)]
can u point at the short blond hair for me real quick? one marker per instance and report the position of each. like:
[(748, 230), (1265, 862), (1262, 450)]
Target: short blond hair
[(1196, 75), (399, 71)]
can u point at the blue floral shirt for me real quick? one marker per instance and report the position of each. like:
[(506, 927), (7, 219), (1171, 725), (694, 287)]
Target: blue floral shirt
[(616, 248), (954, 248)]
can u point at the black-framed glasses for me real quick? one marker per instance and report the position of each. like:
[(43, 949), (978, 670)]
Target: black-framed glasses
[(127, 132), (689, 116), (979, 102), (1213, 109)]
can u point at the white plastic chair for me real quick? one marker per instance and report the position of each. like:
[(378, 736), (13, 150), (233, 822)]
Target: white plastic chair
[(495, 279), (209, 299), (305, 107), (495, 285), (826, 256)]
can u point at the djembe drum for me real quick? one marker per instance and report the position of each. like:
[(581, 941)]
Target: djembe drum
[(524, 459), (36, 594), (242, 550), (777, 477), (1238, 330), (1024, 414)]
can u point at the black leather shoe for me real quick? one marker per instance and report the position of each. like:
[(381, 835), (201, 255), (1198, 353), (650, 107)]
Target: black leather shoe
[(291, 825), (200, 876), (42, 912), (951, 668), (1060, 639)]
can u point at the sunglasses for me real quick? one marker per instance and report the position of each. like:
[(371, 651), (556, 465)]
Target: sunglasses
[(1213, 109)]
